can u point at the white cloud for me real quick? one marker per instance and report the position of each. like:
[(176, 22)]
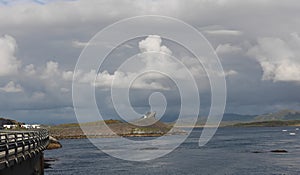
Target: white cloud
[(224, 32), (153, 44), (67, 75), (51, 70), (64, 89), (38, 95), (77, 21), (119, 79), (153, 56), (230, 73), (78, 44), (11, 87), (122, 80), (279, 59), (30, 70), (9, 64), (227, 48)]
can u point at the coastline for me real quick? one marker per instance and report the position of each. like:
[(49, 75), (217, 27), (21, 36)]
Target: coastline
[(161, 129), (82, 136), (116, 129)]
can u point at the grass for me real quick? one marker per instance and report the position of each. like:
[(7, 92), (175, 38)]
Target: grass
[(74, 125), (272, 123)]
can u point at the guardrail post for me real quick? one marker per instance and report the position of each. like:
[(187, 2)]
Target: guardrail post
[(16, 146), (23, 145), (7, 149)]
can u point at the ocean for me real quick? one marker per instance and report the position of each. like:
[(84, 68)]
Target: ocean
[(236, 150)]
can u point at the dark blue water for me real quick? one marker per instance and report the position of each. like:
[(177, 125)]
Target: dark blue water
[(229, 152)]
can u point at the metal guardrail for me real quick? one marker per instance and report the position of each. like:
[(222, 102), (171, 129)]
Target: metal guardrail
[(17, 146)]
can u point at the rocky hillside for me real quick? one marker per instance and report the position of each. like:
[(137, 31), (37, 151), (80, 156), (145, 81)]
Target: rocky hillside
[(148, 127), (4, 121)]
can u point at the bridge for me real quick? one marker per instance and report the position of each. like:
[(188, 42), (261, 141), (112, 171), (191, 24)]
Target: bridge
[(21, 152)]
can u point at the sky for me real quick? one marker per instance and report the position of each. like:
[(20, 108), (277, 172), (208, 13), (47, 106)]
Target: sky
[(257, 42)]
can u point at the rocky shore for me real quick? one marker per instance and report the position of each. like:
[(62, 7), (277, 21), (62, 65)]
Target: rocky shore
[(53, 143), (99, 129)]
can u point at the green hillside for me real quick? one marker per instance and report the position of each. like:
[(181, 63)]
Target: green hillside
[(274, 123), (280, 115)]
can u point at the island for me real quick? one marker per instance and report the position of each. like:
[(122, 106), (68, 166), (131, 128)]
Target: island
[(146, 126)]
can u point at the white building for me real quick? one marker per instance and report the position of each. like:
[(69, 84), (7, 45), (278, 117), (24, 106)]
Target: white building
[(9, 126), (26, 126), (35, 126)]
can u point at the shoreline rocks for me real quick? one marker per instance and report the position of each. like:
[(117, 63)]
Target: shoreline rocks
[(272, 151), (100, 130), (53, 143), (279, 151)]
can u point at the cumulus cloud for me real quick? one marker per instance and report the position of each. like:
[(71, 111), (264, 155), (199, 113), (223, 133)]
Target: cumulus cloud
[(30, 70), (69, 24), (121, 78), (153, 56), (11, 87), (230, 73), (38, 95), (279, 58), (224, 32), (79, 44), (9, 64), (51, 70), (153, 43), (64, 90), (67, 75), (227, 48)]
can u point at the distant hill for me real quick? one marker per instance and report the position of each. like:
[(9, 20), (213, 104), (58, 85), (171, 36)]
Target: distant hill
[(229, 119), (280, 115), (273, 123), (238, 117)]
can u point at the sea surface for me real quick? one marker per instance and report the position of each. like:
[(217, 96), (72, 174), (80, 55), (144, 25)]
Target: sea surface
[(231, 151)]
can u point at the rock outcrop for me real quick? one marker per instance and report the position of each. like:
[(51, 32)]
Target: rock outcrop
[(147, 126), (53, 143), (279, 151), (4, 121)]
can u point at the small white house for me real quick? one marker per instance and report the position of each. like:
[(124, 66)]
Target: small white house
[(9, 126), (35, 126), (26, 126)]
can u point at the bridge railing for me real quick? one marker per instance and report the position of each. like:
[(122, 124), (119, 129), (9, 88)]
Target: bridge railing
[(17, 146)]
